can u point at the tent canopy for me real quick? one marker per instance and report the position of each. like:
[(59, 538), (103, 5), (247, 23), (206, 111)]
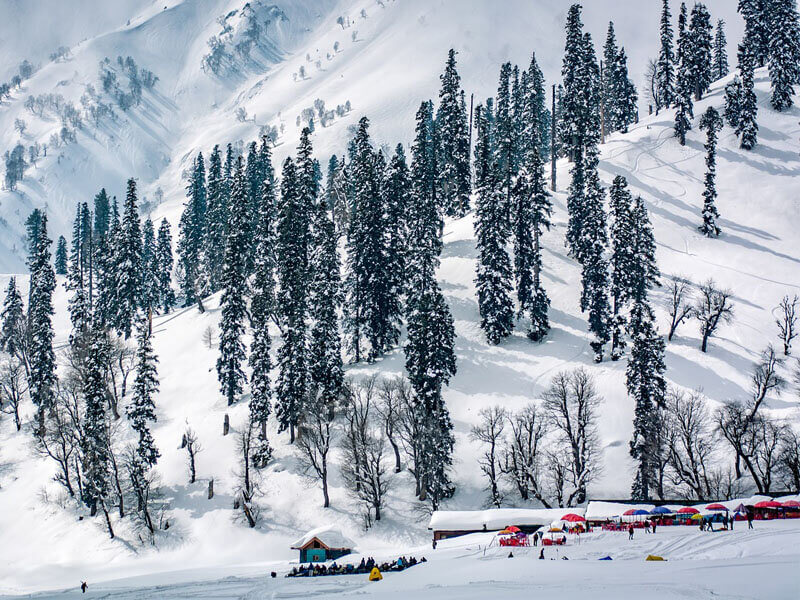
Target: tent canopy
[(573, 518), (688, 510), (494, 519), (660, 510), (716, 506), (768, 504)]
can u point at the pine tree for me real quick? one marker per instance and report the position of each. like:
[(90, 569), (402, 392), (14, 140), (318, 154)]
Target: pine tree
[(33, 226), (372, 309), (532, 211), (423, 178), (216, 223), (429, 351), (665, 67), (325, 346), (128, 265), (622, 101), (700, 43), (720, 64), (190, 239), (13, 335), (644, 270), (494, 273), (647, 386), (536, 114), (164, 263), (61, 256), (234, 284), (151, 284), (42, 380), (748, 108), (94, 442), (711, 123), (106, 255), (292, 242), (453, 178), (784, 52), (685, 81), (142, 409), (254, 177), (757, 18), (262, 309), (621, 260), (397, 189), (102, 215), (78, 303), (594, 279), (733, 102), (609, 83), (504, 133)]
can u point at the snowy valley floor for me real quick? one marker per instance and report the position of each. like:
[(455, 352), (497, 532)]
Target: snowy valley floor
[(758, 564)]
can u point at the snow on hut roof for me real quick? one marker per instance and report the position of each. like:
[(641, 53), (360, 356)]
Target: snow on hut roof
[(330, 536), (495, 518), (606, 510)]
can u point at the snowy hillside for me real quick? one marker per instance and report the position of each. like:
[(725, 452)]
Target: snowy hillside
[(385, 64)]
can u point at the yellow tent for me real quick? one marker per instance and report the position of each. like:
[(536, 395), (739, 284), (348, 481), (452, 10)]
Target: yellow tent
[(375, 575), (653, 557)]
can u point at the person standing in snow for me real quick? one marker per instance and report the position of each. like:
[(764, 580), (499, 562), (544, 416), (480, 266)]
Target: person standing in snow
[(630, 531), (83, 587)]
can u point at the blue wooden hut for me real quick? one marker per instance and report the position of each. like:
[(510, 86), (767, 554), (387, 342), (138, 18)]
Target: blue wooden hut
[(322, 544)]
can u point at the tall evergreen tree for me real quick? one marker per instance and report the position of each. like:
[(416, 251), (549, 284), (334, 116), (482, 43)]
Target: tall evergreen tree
[(216, 223), (494, 273), (733, 102), (106, 255), (757, 15), (102, 215), (532, 211), (720, 64), (13, 326), (619, 93), (453, 177), (151, 282), (190, 239), (429, 351), (76, 282), (504, 132), (128, 265), (234, 284), (61, 256), (423, 176), (164, 263), (262, 309), (372, 310), (748, 106), (94, 442), (142, 409), (397, 189), (292, 242), (33, 225), (665, 67), (594, 279), (536, 114), (685, 81), (325, 346), (711, 123), (784, 52), (700, 49), (42, 380), (621, 260)]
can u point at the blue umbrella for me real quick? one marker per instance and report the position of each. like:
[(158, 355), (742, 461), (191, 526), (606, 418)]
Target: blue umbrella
[(640, 511), (660, 510)]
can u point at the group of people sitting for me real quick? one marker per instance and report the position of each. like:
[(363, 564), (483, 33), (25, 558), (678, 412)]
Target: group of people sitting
[(365, 566)]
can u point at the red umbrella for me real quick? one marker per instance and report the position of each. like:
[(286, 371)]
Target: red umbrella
[(716, 506), (768, 504), (791, 504), (573, 518), (688, 510), (629, 513), (513, 529)]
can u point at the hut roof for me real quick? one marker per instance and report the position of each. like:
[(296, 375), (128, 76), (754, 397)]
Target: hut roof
[(494, 518), (329, 536)]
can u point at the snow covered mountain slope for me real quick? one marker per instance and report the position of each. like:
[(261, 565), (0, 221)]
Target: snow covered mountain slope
[(385, 63), (393, 63)]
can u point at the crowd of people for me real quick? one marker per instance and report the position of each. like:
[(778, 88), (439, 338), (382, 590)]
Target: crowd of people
[(365, 566)]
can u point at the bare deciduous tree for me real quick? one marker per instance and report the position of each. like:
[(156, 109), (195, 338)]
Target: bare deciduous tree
[(787, 322), (713, 308), (314, 440), (522, 455), (571, 406), (393, 393), (247, 475), (62, 439), (364, 446), (13, 388), (679, 303), (789, 459), (691, 444), (489, 432), (193, 448)]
